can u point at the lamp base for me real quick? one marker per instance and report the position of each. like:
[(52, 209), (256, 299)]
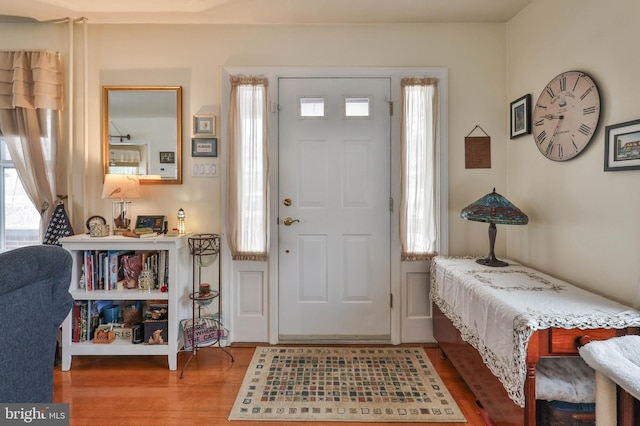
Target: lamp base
[(491, 261), (121, 216)]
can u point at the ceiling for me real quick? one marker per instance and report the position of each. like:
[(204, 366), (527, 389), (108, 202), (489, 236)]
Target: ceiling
[(263, 11)]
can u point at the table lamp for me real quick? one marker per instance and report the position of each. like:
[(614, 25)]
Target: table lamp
[(119, 187), (494, 208)]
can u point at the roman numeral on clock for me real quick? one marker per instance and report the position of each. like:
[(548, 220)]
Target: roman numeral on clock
[(550, 148), (584, 129), (589, 110), (563, 84), (586, 93), (550, 92), (541, 137)]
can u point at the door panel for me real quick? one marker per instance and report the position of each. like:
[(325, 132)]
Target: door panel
[(334, 260)]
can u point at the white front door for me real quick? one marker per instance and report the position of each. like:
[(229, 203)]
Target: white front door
[(333, 209)]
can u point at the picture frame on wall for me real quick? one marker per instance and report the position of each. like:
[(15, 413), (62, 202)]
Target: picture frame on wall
[(167, 157), (204, 125), (204, 147), (520, 120), (622, 146)]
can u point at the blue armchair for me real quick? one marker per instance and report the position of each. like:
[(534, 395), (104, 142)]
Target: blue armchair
[(34, 300)]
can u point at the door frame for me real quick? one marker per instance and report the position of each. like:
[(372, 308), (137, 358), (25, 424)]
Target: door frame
[(256, 319)]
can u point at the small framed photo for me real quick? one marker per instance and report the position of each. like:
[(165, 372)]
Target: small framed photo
[(204, 147), (622, 146), (204, 125), (154, 222), (520, 116), (167, 157)]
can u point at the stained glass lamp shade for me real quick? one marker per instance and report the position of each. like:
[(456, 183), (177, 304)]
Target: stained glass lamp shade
[(494, 208)]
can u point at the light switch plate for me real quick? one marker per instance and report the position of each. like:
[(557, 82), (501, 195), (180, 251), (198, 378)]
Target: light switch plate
[(204, 169)]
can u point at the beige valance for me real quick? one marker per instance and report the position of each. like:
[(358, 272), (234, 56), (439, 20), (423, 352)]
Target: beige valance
[(249, 81), (419, 81), (31, 79)]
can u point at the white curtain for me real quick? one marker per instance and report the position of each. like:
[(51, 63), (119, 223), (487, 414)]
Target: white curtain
[(31, 101), (247, 214), (418, 231)]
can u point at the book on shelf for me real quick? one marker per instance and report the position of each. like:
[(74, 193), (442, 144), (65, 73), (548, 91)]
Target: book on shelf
[(79, 319), (102, 270), (132, 266), (116, 268), (162, 276), (85, 319), (119, 269)]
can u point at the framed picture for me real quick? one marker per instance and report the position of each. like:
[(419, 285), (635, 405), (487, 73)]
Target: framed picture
[(622, 146), (521, 117), (167, 157), (204, 147), (154, 222), (204, 125)]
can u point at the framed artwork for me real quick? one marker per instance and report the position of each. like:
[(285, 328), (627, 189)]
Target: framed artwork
[(167, 157), (204, 125), (154, 222), (520, 117), (204, 147), (622, 146)]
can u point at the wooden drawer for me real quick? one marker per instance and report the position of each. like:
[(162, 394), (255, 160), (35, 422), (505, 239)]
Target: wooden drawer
[(563, 341)]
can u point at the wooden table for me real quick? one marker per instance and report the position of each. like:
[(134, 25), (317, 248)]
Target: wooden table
[(545, 314)]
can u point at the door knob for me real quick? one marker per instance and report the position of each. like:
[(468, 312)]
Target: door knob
[(288, 221)]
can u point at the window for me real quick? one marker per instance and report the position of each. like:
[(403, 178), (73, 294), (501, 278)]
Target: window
[(312, 107), (357, 107), (248, 166), (19, 219), (418, 210)]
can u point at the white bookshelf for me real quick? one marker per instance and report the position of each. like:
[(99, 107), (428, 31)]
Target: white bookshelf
[(177, 296)]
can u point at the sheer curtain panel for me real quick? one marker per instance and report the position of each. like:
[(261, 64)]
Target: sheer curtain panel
[(248, 168), (418, 230), (31, 101)]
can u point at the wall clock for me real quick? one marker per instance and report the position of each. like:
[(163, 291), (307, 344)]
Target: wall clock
[(566, 115)]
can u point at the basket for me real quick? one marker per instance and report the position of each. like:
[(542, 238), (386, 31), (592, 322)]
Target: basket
[(131, 314)]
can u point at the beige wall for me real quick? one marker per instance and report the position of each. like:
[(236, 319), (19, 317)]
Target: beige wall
[(583, 221), (192, 56)]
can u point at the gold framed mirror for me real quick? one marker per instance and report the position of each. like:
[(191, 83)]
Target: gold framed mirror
[(142, 132)]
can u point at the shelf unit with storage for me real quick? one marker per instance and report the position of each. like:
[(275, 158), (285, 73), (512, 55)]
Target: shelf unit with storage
[(176, 297)]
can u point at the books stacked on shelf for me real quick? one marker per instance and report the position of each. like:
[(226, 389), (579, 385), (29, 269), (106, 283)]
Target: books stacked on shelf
[(85, 318), (119, 269)]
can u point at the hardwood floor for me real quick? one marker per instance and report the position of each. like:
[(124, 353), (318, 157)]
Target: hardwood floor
[(140, 390)]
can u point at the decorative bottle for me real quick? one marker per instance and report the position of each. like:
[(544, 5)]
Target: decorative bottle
[(146, 280)]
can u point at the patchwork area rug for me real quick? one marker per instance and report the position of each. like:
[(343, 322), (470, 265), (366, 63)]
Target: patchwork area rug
[(342, 384)]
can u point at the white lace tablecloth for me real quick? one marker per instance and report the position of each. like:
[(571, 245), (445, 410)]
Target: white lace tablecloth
[(497, 310)]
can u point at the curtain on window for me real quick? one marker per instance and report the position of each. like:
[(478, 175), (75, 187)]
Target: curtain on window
[(418, 230), (248, 167), (31, 88)]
